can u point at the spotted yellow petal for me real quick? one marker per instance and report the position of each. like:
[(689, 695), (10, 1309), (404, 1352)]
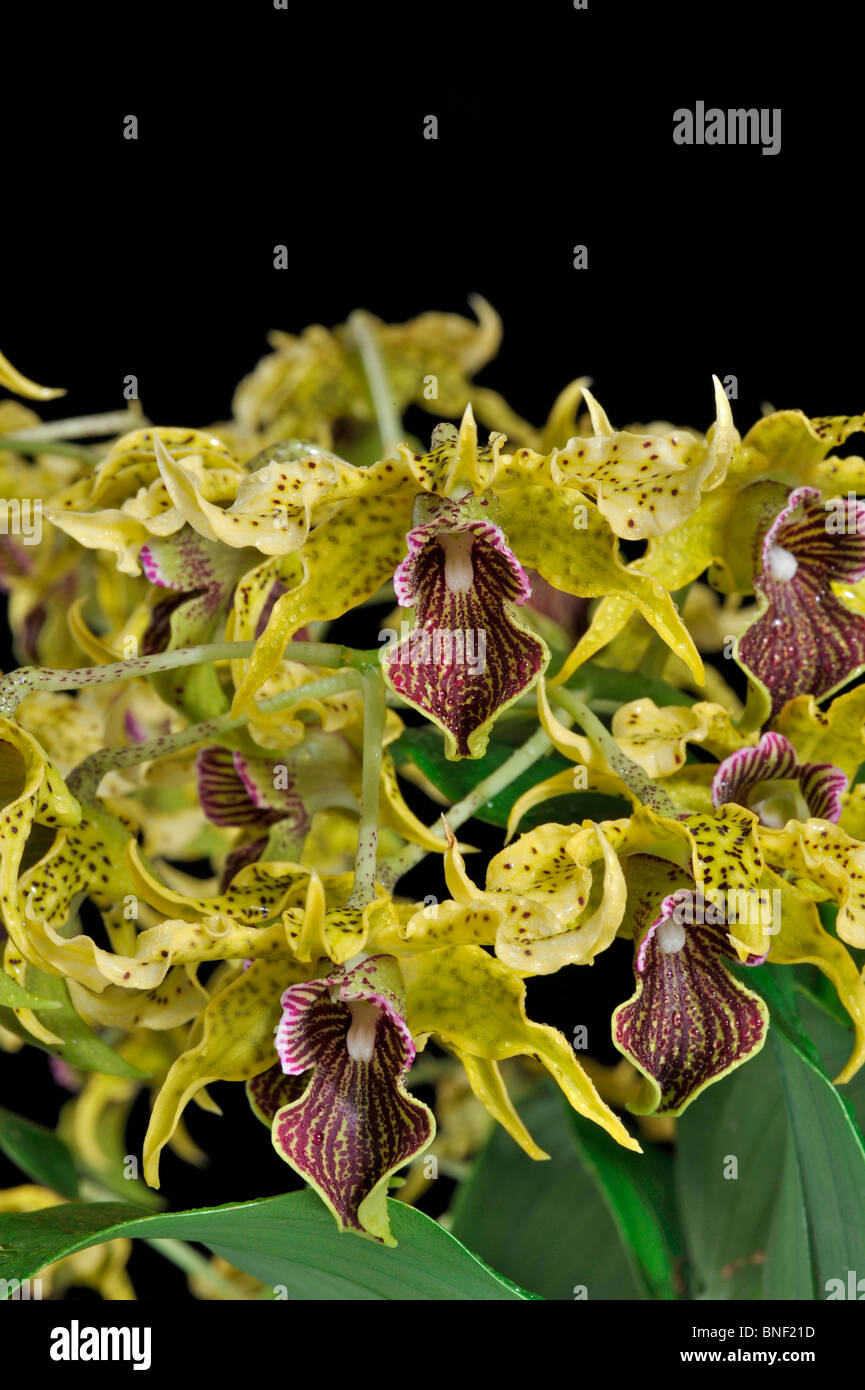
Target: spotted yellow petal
[(236, 1044), (802, 940), (656, 736), (477, 1005), (827, 856), (560, 532), (835, 735), (646, 484), (345, 561)]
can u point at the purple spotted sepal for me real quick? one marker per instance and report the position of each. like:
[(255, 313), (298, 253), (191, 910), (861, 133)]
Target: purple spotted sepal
[(467, 656), (355, 1123), (769, 780), (689, 1021), (804, 641)]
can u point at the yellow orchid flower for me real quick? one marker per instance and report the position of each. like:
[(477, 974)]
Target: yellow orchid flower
[(463, 509)]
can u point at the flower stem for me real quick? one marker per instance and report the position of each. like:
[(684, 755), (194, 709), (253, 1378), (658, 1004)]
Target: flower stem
[(374, 713), (19, 684), (78, 427), (630, 772), (393, 868), (16, 687), (363, 332), (83, 781), (188, 1259)]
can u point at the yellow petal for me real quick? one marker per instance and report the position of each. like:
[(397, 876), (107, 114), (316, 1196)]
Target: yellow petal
[(802, 940), (825, 854), (345, 561), (836, 735), (476, 1005), (561, 533), (656, 736), (236, 1044), (22, 386), (487, 1083)]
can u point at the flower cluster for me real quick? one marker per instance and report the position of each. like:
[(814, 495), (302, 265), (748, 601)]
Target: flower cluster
[(184, 698)]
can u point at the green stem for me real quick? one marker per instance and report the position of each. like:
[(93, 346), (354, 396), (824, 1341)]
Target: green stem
[(363, 332), (19, 684), (83, 781), (188, 1259), (374, 714), (80, 427), (393, 868), (12, 444), (630, 772), (16, 687)]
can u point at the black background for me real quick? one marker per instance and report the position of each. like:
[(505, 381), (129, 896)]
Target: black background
[(260, 127)]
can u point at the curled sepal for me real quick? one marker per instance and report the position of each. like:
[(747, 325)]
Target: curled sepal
[(803, 940), (689, 1021), (13, 380), (467, 657), (803, 639), (476, 1005), (236, 1043), (824, 855), (34, 793), (355, 1123), (647, 483), (656, 737)]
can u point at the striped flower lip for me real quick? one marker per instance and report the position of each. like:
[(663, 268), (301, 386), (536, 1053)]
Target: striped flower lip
[(201, 575), (355, 1124), (689, 1022), (261, 795), (770, 781), (803, 640), (467, 656)]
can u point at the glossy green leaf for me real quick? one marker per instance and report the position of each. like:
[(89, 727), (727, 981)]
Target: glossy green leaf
[(593, 682), (638, 1192), (544, 1224), (772, 1176), (38, 1153), (81, 1046), (289, 1242), (730, 1146), (425, 747)]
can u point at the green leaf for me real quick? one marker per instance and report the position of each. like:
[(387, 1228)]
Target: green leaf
[(425, 747), (289, 1242), (544, 1224), (39, 1153), (14, 996), (81, 1047), (796, 1210), (730, 1146), (593, 682), (638, 1192)]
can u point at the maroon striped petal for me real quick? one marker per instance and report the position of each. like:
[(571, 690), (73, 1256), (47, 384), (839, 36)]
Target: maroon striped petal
[(467, 657), (804, 641), (271, 1090), (689, 1022), (769, 780), (202, 576), (233, 789), (355, 1124), (822, 785)]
